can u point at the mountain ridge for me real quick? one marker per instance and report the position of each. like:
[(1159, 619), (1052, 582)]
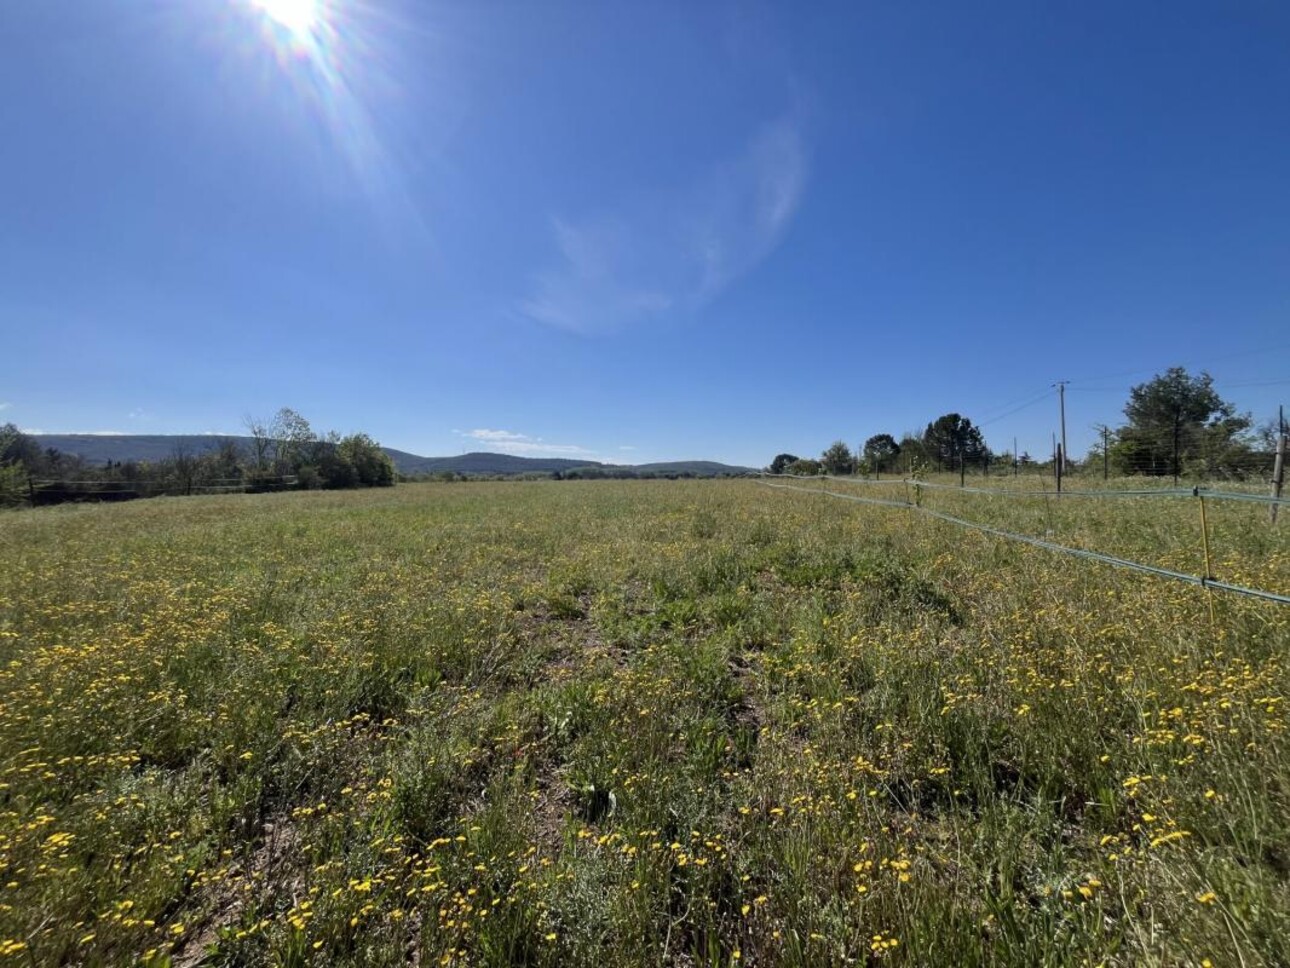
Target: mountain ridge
[(102, 448)]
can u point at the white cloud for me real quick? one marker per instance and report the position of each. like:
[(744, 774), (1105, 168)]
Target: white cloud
[(522, 445), (5, 405), (677, 251)]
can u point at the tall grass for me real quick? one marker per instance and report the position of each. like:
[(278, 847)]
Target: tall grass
[(633, 723)]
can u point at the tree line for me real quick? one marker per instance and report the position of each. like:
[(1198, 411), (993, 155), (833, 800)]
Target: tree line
[(1175, 424), (949, 442), (284, 453)]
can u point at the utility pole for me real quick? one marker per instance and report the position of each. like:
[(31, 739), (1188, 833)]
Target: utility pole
[(1279, 466), (1106, 462), (1061, 402), (1016, 459)]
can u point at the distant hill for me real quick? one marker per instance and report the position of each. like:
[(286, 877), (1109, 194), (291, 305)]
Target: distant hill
[(481, 463), (101, 448)]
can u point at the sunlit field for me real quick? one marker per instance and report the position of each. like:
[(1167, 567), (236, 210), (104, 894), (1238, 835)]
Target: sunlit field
[(639, 723)]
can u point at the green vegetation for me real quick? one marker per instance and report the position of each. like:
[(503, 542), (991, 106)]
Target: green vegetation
[(281, 454), (636, 724), (1177, 425), (880, 453)]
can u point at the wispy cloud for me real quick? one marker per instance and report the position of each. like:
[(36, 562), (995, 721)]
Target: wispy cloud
[(5, 405), (522, 445), (678, 251)]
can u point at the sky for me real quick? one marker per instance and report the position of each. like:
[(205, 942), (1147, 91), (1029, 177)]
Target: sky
[(638, 232)]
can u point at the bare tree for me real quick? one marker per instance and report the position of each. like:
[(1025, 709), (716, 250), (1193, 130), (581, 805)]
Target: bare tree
[(184, 464), (260, 439)]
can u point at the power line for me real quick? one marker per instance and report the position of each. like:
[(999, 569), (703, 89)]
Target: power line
[(1022, 401), (1008, 413)]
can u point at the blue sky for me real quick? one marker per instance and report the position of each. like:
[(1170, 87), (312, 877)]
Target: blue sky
[(637, 231)]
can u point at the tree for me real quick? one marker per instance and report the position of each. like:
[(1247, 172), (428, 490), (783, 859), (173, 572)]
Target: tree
[(17, 448), (371, 464), (184, 465), (260, 437), (780, 464), (952, 441), (224, 462), (913, 450), (1177, 420), (18, 456), (804, 467), (838, 459), (881, 452), (291, 435)]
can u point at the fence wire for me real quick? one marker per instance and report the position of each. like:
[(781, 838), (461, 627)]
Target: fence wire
[(1138, 566), (1068, 492)]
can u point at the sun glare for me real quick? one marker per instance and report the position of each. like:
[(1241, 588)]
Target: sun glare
[(328, 57), (297, 16)]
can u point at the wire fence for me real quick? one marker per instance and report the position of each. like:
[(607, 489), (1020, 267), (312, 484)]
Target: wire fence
[(912, 502), (1196, 491), (45, 492)]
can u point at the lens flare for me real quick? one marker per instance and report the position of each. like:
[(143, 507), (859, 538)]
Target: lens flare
[(333, 66), (296, 16)]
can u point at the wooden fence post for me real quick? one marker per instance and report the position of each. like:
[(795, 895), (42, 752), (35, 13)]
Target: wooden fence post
[(1278, 473)]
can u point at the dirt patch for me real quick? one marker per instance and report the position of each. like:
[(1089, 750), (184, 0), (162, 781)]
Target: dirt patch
[(279, 841), (571, 644), (552, 807)]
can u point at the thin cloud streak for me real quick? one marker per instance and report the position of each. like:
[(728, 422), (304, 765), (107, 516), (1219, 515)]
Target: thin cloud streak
[(678, 252)]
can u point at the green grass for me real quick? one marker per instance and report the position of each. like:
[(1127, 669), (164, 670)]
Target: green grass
[(633, 723)]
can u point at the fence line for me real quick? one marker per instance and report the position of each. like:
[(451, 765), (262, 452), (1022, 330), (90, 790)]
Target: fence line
[(276, 479), (1203, 582), (1021, 492)]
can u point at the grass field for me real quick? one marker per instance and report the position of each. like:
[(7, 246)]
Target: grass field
[(639, 723)]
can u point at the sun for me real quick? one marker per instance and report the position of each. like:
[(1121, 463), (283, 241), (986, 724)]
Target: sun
[(300, 17)]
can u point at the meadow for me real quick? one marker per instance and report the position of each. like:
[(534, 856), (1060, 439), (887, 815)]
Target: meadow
[(638, 723)]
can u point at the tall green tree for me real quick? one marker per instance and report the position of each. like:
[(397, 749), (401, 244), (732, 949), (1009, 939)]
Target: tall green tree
[(19, 455), (913, 451), (881, 452), (1179, 422), (951, 440), (16, 447), (780, 464), (838, 459), (372, 465)]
